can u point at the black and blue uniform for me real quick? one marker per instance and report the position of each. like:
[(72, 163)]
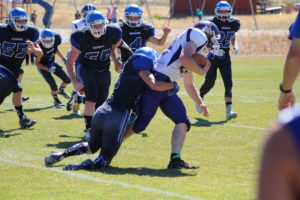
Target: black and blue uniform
[(13, 49), (136, 37), (48, 60), (8, 83), (93, 70), (110, 119), (227, 30)]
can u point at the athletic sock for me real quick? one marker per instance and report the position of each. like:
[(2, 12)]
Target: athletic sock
[(20, 112), (175, 156), (74, 150), (88, 120), (228, 107)]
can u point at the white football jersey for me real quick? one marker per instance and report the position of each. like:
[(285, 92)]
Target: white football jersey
[(169, 64), (78, 25)]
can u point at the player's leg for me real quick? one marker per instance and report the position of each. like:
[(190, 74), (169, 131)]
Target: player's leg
[(226, 73), (103, 84), (174, 109), (65, 78), (53, 86), (76, 106), (21, 72)]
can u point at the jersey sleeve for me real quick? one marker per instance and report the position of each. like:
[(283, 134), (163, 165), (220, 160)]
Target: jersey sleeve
[(237, 25), (196, 36), (148, 31), (58, 39), (143, 63), (3, 33), (295, 29), (115, 34), (75, 40), (34, 35)]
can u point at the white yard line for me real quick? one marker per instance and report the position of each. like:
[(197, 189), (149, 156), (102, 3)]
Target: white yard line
[(100, 180)]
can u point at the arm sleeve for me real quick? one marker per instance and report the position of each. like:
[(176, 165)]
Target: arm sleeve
[(74, 41), (35, 35), (143, 63), (295, 29)]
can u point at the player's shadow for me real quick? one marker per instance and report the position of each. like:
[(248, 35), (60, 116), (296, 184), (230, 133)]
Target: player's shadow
[(67, 144), (205, 123), (143, 134), (7, 134), (37, 109), (143, 171), (70, 116)]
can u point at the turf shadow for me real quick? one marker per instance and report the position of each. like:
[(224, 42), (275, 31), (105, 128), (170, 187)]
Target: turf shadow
[(65, 145), (37, 109), (70, 116), (3, 134), (205, 123)]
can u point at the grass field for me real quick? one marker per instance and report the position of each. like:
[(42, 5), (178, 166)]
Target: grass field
[(227, 152)]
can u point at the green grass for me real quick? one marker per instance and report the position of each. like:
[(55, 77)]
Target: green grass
[(227, 152)]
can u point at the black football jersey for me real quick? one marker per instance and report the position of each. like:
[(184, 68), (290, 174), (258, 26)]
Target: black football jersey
[(227, 30), (49, 53), (136, 37), (95, 53), (129, 85), (13, 46)]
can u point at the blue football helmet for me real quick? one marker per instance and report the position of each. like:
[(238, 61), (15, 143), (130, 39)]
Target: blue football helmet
[(47, 38), (18, 19), (86, 9), (133, 10), (220, 8), (97, 24), (148, 52)]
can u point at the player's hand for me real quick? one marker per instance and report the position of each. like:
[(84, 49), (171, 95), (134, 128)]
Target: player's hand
[(204, 110), (118, 66), (286, 100), (52, 69), (219, 52), (166, 30), (78, 85), (236, 50), (30, 45), (174, 90)]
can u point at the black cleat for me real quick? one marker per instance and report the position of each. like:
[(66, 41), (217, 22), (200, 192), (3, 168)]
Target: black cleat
[(87, 164), (26, 122), (58, 103), (180, 164), (72, 100), (52, 159), (62, 93), (25, 99)]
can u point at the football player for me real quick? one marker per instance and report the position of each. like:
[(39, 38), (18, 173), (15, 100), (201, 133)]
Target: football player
[(227, 26), (109, 121), (94, 47), (174, 63), (46, 64), (16, 39)]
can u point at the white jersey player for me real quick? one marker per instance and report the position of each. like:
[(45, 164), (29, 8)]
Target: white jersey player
[(80, 24)]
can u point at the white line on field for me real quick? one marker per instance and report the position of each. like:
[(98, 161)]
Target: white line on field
[(100, 180)]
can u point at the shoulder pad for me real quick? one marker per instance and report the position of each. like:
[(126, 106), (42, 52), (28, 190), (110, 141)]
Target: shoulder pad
[(147, 25), (233, 19)]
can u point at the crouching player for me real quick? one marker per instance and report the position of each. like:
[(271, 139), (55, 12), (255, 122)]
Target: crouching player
[(46, 64), (110, 119)]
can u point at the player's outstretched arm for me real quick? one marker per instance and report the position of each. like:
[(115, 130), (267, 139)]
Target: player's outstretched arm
[(160, 41), (154, 84), (187, 61), (193, 92)]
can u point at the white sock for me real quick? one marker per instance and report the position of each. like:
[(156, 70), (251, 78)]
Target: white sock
[(228, 108)]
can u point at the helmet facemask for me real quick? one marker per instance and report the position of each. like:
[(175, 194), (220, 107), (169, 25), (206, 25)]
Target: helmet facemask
[(97, 28), (19, 23), (133, 19), (48, 42)]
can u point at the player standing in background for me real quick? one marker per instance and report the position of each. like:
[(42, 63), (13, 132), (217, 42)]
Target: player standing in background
[(46, 64), (227, 26), (94, 47), (16, 39)]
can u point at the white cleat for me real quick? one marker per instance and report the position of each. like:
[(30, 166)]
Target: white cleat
[(231, 115)]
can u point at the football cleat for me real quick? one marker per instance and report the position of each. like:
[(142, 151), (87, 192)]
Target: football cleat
[(62, 93), (72, 100), (58, 103), (87, 134), (52, 159), (87, 164), (180, 164), (231, 115), (25, 99), (26, 122)]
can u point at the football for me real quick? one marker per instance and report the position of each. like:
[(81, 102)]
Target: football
[(200, 59)]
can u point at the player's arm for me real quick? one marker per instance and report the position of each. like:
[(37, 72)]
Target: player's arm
[(233, 41), (192, 91), (61, 56), (160, 41), (34, 47), (38, 63), (126, 51), (154, 84), (187, 61), (69, 65), (117, 63)]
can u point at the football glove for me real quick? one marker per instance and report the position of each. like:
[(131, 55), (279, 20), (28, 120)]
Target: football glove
[(219, 53), (52, 69), (174, 90)]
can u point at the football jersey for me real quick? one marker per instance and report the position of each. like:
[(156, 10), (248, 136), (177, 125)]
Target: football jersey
[(227, 30), (169, 63), (13, 46), (95, 52), (78, 25), (129, 85), (295, 28), (136, 37), (49, 53)]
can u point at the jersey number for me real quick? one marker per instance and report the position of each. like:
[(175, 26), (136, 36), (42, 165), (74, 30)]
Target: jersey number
[(9, 49), (137, 43), (104, 55), (225, 38)]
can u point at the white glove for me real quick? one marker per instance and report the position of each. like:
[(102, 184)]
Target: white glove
[(235, 50), (219, 52), (52, 69)]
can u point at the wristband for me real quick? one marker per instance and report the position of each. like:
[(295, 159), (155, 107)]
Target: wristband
[(284, 91)]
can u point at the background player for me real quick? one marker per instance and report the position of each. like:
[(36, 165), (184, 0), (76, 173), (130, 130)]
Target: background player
[(109, 121), (16, 39), (49, 43), (227, 26)]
